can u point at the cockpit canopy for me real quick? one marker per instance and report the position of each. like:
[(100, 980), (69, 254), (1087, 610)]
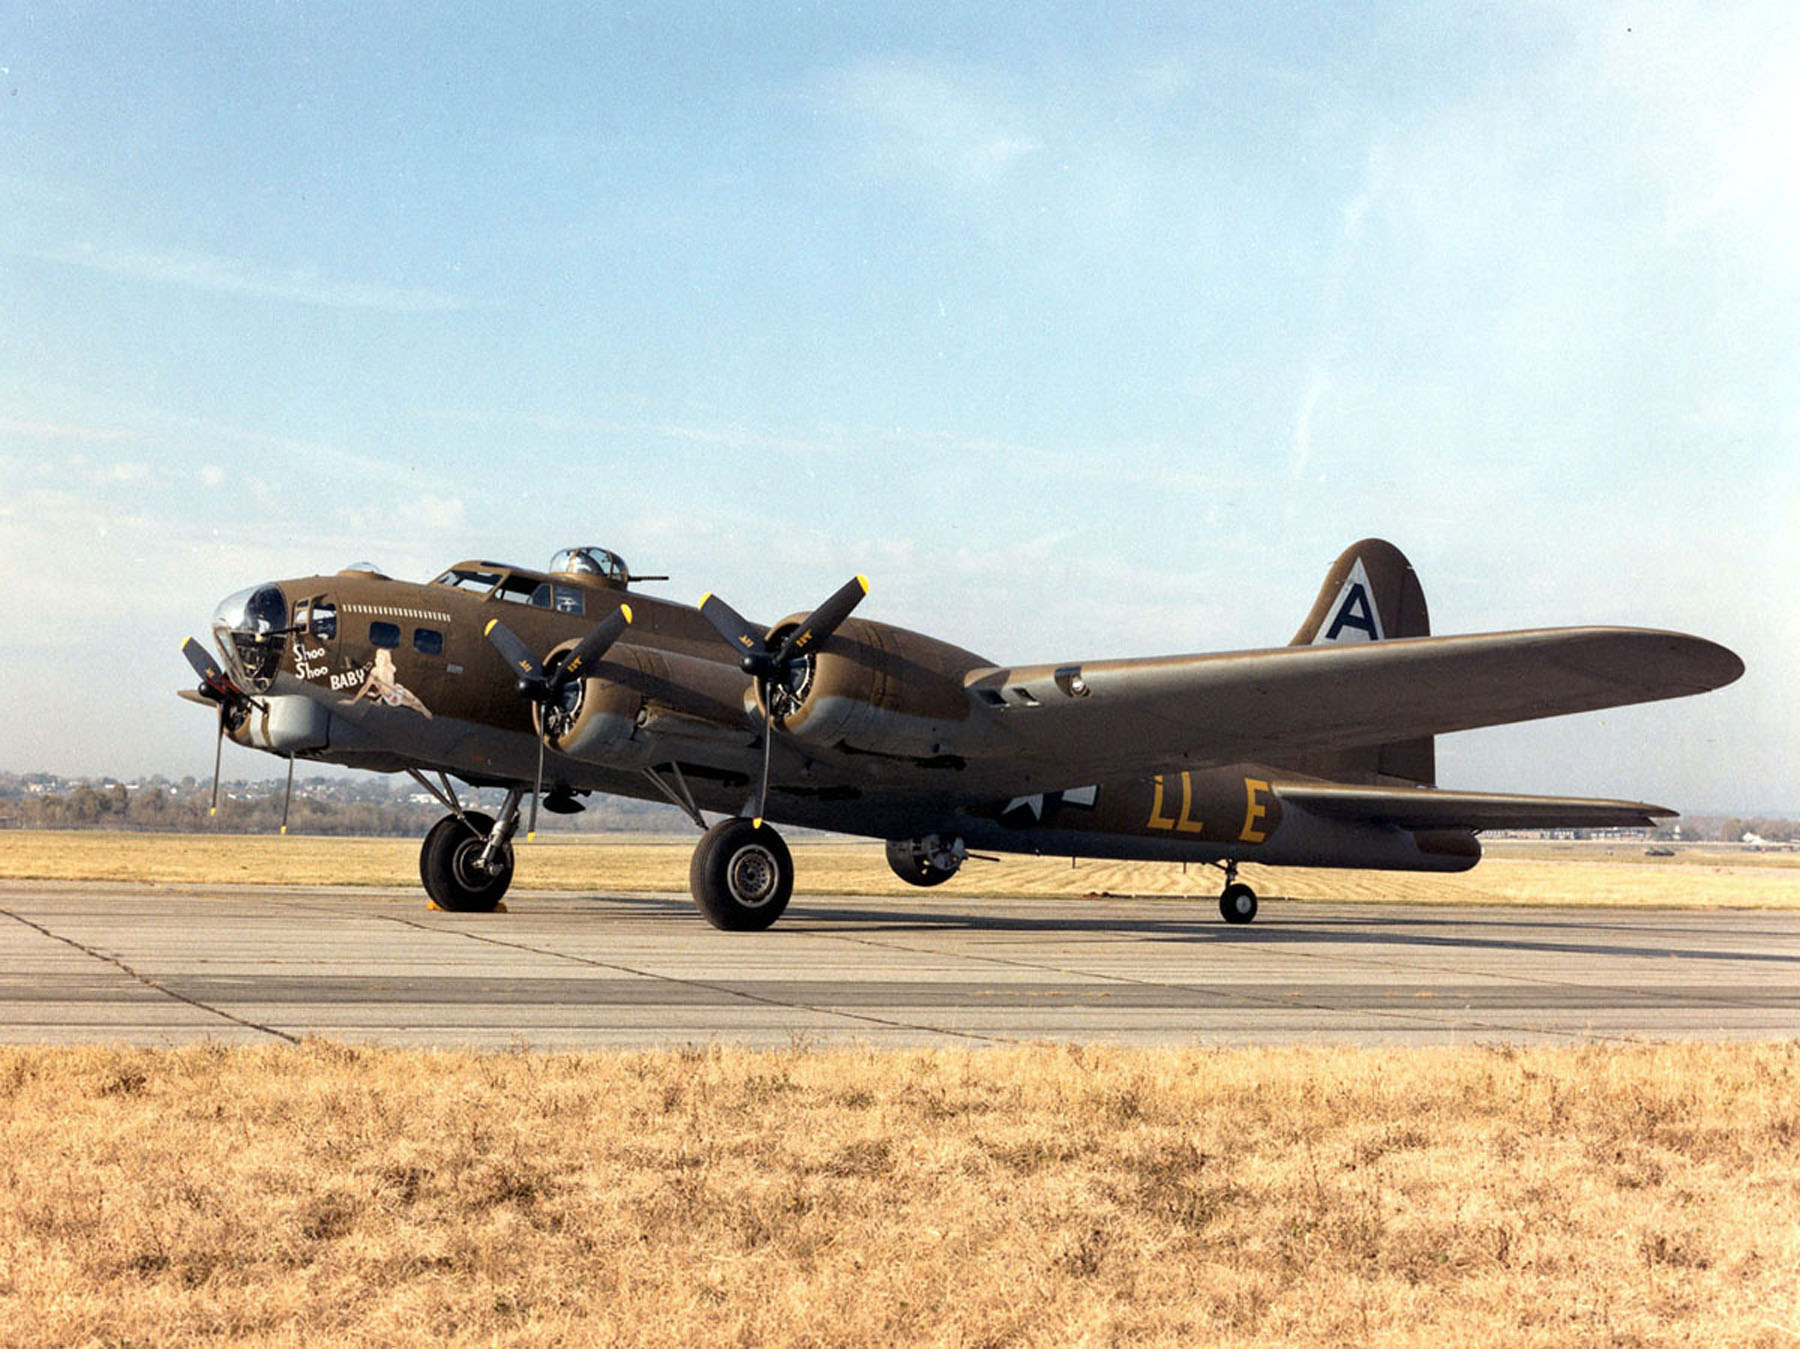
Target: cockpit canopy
[(572, 572), (591, 561)]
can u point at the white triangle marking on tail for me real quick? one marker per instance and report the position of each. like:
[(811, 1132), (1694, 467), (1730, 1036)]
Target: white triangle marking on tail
[(1354, 617)]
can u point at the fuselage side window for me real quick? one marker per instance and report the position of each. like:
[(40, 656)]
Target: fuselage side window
[(321, 620), (428, 641), (568, 600), (384, 634)]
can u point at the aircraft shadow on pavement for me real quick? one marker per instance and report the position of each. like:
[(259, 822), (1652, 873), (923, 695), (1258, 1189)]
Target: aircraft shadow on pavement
[(1486, 930)]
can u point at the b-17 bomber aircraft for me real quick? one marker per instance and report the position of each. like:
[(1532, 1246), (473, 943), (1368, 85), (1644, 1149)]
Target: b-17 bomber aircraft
[(561, 683)]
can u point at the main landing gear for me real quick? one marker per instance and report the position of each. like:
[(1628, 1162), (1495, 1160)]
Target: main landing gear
[(466, 861), (742, 875), (1238, 903)]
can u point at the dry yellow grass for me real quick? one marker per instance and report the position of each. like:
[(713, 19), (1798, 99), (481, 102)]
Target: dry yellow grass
[(1035, 1196), (1512, 874)]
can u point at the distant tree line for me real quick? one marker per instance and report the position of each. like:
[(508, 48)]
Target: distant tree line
[(1768, 830), (85, 806), (320, 806)]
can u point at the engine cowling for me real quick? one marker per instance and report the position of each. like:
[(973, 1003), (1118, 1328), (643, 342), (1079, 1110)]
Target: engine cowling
[(625, 712), (874, 688)]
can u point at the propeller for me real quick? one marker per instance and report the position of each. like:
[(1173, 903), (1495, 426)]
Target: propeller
[(214, 682), (771, 668), (221, 689), (546, 687)]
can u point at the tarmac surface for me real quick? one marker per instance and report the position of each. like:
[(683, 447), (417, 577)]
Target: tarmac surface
[(113, 963)]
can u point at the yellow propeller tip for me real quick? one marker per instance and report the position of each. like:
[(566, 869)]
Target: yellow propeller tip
[(862, 581), (756, 823), (626, 610), (531, 836), (490, 626), (704, 598)]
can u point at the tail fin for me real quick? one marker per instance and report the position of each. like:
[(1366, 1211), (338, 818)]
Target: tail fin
[(1371, 594)]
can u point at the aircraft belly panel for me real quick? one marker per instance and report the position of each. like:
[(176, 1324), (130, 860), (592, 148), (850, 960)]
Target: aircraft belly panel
[(1293, 837)]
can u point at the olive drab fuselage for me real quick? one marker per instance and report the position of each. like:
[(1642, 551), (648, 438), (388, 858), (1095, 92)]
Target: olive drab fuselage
[(387, 674)]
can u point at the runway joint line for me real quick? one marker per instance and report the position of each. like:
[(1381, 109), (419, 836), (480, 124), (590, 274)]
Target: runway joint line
[(150, 983), (890, 1023)]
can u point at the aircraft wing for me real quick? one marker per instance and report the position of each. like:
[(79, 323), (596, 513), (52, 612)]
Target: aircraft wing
[(1429, 808), (1073, 724)]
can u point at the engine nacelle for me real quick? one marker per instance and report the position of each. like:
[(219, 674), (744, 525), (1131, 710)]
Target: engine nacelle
[(875, 688), (636, 699), (289, 723)]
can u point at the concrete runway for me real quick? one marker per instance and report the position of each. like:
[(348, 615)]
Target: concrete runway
[(83, 963)]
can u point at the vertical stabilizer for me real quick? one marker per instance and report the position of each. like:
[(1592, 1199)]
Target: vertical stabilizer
[(1371, 594)]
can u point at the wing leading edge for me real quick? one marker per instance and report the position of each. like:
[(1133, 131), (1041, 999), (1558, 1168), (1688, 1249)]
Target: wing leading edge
[(1070, 724)]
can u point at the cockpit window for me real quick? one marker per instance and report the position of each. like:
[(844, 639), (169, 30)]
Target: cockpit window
[(518, 589), (563, 599), (465, 578)]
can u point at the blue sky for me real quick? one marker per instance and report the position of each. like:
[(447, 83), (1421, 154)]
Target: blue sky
[(1083, 331)]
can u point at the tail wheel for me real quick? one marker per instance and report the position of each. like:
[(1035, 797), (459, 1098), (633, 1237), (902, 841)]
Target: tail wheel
[(742, 876), (450, 865), (1238, 903)]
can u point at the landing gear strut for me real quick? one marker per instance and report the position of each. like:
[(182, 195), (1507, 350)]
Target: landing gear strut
[(742, 875), (1238, 903)]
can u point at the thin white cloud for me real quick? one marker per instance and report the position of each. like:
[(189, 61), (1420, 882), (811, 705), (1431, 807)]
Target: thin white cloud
[(938, 124), (228, 276), (1318, 384)]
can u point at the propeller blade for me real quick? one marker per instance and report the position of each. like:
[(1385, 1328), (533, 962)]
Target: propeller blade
[(823, 621), (287, 800), (591, 648), (753, 655), (212, 811), (204, 665), (762, 785), (525, 665), (537, 789), (217, 684)]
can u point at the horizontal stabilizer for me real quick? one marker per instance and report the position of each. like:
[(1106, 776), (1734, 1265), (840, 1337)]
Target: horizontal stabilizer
[(1429, 808)]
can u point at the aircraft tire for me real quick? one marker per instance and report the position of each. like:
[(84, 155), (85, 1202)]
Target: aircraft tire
[(906, 862), (741, 876), (1238, 903), (447, 865)]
